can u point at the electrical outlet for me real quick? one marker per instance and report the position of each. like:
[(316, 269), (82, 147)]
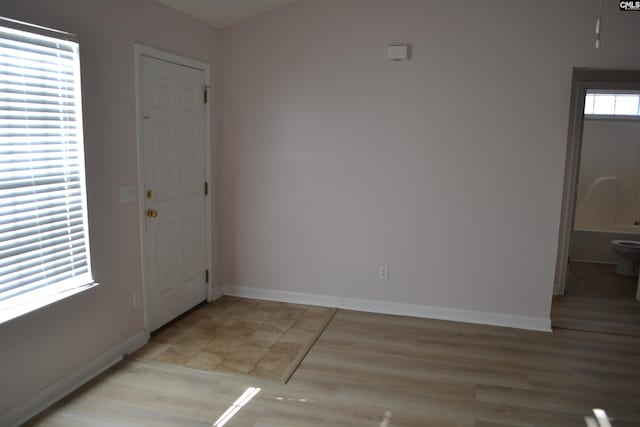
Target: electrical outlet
[(136, 299), (127, 194), (383, 272)]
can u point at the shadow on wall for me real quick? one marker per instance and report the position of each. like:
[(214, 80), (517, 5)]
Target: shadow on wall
[(598, 207)]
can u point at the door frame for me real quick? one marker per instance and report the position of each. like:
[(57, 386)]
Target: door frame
[(582, 80), (140, 51)]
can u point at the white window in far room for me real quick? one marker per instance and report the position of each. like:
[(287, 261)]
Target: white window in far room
[(612, 104)]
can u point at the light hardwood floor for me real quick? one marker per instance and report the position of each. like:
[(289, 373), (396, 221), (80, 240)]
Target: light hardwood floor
[(379, 370)]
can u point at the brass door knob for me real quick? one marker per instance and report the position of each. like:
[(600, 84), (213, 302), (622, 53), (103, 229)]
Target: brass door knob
[(151, 213)]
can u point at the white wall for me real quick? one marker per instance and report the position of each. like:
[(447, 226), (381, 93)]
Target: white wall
[(41, 348), (593, 246), (447, 168), (611, 148)]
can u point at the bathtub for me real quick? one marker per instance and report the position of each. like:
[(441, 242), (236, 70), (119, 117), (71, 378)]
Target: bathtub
[(592, 244)]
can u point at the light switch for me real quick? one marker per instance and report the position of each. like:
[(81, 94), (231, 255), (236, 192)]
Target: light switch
[(127, 194)]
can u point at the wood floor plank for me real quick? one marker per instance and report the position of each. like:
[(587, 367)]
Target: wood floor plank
[(377, 370), (597, 300)]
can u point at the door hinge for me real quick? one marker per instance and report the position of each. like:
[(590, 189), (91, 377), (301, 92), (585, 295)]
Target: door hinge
[(206, 188), (206, 276), (206, 94)]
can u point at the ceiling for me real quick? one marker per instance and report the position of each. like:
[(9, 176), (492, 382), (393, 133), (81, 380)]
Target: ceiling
[(222, 13)]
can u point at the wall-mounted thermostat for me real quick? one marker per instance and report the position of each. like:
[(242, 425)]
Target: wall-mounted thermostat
[(399, 52)]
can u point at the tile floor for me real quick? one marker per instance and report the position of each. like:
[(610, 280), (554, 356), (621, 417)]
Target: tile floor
[(260, 338)]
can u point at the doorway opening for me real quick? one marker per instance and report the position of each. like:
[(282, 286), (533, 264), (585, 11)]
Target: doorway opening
[(601, 203)]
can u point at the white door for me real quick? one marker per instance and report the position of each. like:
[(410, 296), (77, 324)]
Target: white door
[(173, 148)]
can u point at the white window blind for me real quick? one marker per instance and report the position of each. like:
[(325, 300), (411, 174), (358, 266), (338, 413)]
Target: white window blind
[(44, 241)]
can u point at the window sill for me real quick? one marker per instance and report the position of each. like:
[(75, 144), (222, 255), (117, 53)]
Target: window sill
[(36, 302), (611, 117)]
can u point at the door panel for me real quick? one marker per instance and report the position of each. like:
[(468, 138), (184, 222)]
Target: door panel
[(174, 168), (189, 256), (190, 182), (160, 149), (163, 240), (188, 99)]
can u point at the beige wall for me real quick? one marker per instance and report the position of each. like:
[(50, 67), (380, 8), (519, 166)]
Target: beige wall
[(611, 148), (448, 168), (43, 347)]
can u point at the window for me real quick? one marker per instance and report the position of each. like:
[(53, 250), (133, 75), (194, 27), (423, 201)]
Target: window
[(612, 104), (44, 240)]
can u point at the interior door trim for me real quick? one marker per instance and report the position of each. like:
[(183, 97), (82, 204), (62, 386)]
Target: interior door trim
[(139, 52)]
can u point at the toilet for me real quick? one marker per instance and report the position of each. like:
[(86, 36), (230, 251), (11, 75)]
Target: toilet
[(629, 251)]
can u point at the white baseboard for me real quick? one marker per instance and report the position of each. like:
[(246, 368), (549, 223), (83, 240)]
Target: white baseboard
[(68, 384), (414, 310), (215, 292)]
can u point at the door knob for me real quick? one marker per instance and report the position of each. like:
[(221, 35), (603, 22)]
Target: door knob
[(152, 213)]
